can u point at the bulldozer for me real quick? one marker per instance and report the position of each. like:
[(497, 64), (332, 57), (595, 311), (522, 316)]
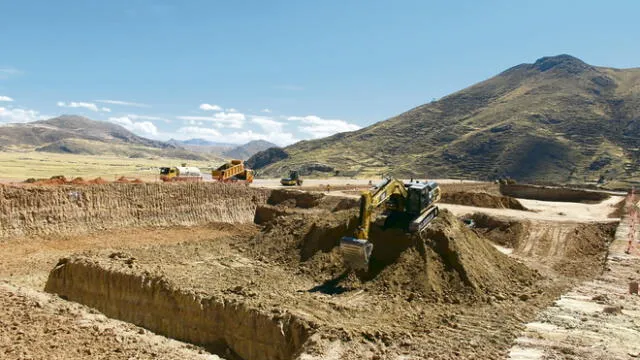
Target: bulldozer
[(233, 171), (415, 202), (293, 179), (180, 173)]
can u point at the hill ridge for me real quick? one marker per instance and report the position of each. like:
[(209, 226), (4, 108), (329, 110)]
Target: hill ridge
[(557, 119)]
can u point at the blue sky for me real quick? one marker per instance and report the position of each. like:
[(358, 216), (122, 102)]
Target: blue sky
[(234, 71)]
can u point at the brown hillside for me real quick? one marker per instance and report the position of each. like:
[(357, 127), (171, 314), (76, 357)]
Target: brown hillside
[(558, 119)]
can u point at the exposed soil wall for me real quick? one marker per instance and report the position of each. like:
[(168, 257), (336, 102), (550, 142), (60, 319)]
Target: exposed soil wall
[(226, 327), (71, 210), (545, 193), (571, 249)]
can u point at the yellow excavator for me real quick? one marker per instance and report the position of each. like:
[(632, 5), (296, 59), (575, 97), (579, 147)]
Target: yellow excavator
[(414, 201)]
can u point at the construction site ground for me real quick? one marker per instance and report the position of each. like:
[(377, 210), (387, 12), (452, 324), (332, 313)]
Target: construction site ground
[(525, 284)]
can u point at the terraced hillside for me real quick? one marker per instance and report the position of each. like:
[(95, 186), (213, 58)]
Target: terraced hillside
[(558, 119)]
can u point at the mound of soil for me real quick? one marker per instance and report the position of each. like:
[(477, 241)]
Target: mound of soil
[(575, 250), (508, 233), (308, 200), (619, 209), (547, 193), (482, 199), (446, 263), (586, 250)]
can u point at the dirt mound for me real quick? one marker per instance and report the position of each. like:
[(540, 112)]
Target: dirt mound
[(508, 233), (548, 193), (448, 262), (61, 180), (586, 249), (619, 209), (576, 250), (482, 199), (308, 200)]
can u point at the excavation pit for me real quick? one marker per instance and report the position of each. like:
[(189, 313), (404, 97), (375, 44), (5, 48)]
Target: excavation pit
[(281, 291)]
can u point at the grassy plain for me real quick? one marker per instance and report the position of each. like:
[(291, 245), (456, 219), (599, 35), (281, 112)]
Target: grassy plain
[(18, 166)]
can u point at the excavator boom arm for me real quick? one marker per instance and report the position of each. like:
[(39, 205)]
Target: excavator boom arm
[(357, 250)]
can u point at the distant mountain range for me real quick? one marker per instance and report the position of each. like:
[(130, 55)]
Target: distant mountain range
[(79, 135), (225, 150), (558, 119)]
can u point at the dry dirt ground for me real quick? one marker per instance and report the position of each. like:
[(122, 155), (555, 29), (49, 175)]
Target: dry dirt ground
[(278, 289), (37, 325)]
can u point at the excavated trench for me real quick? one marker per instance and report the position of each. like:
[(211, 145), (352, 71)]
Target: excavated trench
[(225, 327)]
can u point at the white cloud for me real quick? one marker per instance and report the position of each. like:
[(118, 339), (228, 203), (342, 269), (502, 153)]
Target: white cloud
[(232, 110), (19, 115), (267, 123), (277, 137), (220, 120), (84, 105), (147, 117), (241, 137), (123, 103), (318, 127), (5, 98), (190, 132), (6, 72), (209, 107), (146, 128), (268, 111)]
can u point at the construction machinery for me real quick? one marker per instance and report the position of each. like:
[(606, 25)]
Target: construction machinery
[(293, 179), (233, 171), (413, 202), (180, 173)]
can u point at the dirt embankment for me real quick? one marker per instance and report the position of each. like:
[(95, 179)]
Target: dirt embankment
[(545, 193), (72, 210), (222, 326), (482, 199), (576, 250)]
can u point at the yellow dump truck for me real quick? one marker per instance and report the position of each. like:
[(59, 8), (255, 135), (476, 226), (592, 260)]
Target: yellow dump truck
[(233, 171)]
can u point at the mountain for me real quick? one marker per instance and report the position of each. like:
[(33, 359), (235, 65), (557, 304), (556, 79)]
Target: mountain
[(558, 119), (201, 142), (249, 149), (80, 135), (71, 127)]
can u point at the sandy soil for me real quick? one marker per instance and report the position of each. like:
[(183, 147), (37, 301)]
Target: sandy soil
[(446, 294), (36, 325), (33, 324)]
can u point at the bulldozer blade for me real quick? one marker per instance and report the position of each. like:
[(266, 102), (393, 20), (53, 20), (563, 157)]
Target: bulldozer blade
[(422, 221), (356, 252)]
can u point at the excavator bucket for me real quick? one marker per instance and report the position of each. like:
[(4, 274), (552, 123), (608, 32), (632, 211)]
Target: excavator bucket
[(356, 252)]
